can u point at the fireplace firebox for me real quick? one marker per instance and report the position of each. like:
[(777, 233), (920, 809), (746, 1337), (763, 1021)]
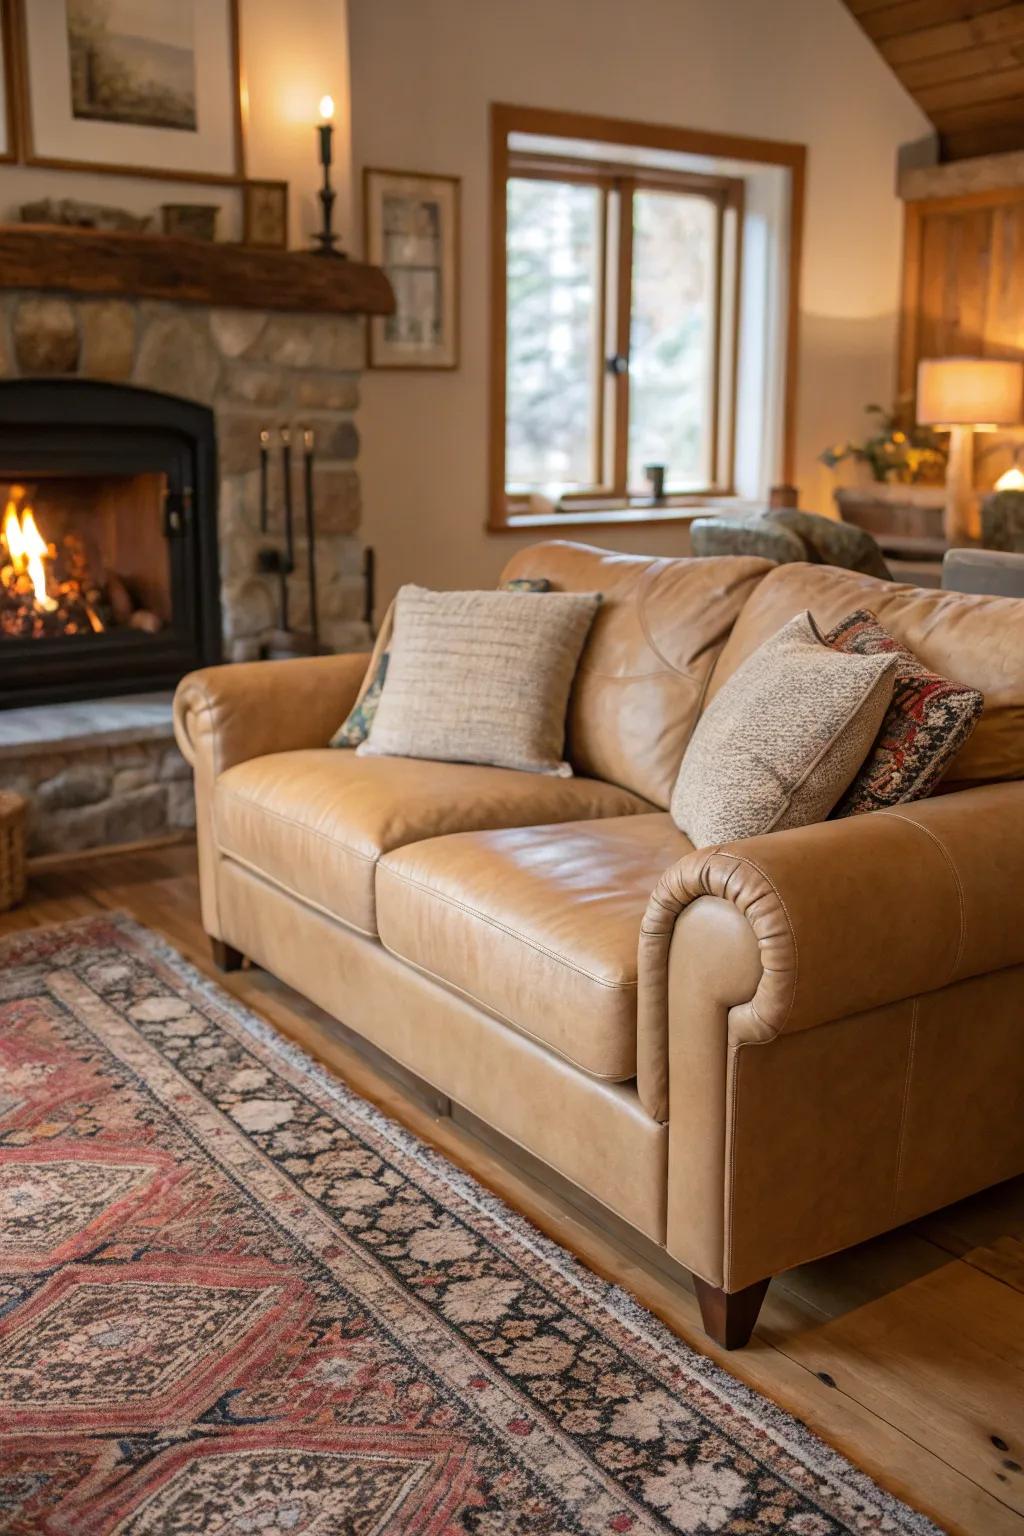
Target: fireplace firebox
[(108, 540)]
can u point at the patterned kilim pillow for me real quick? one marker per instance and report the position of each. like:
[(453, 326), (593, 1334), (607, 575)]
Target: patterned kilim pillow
[(355, 728), (925, 726)]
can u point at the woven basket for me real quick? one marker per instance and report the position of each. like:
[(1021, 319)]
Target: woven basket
[(13, 810)]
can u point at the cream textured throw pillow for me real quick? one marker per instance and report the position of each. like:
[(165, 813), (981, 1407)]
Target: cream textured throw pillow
[(481, 677), (782, 741)]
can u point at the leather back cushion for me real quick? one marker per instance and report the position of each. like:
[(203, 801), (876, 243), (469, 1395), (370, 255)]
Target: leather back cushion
[(970, 639), (646, 664)]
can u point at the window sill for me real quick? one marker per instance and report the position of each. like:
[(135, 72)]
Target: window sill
[(677, 509)]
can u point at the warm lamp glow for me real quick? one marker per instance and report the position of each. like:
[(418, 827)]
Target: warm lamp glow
[(326, 108), (1013, 480), (969, 392)]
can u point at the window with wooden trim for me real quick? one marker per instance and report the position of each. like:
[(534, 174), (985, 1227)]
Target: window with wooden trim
[(619, 331)]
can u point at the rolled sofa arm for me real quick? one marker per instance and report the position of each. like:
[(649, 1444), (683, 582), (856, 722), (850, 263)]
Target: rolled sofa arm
[(233, 713), (848, 915), (227, 715)]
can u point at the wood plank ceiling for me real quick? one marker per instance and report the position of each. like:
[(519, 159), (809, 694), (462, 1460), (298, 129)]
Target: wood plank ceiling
[(963, 63)]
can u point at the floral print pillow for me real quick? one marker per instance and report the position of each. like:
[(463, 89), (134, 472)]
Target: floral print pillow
[(926, 724)]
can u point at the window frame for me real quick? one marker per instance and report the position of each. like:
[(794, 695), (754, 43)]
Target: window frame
[(609, 501)]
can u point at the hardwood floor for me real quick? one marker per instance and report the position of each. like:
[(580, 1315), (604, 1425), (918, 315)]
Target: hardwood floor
[(906, 1353)]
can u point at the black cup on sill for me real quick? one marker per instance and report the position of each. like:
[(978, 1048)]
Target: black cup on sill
[(655, 474)]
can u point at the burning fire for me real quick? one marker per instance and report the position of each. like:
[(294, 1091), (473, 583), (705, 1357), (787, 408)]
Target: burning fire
[(41, 593), (28, 549)]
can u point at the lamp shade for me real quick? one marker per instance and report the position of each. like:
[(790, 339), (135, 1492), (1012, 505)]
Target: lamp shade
[(969, 392)]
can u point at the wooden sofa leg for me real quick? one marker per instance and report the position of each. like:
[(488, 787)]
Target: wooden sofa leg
[(729, 1319), (225, 956)]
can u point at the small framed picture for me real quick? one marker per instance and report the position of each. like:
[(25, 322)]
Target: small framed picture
[(412, 231), (265, 214)]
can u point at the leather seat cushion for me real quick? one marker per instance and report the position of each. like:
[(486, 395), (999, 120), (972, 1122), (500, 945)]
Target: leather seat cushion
[(540, 925), (315, 822)]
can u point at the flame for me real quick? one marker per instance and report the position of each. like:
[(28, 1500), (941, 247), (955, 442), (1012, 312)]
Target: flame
[(28, 549), (12, 535), (326, 108)]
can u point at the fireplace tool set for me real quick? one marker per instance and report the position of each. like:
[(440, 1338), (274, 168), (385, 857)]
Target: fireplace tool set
[(281, 562)]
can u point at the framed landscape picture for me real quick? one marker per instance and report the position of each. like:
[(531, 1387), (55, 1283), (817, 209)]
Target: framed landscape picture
[(140, 87), (412, 231)]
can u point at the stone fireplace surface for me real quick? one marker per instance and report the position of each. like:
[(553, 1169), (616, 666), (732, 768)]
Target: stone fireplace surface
[(265, 340)]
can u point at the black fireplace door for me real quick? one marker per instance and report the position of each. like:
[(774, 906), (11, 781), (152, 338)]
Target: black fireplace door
[(108, 540)]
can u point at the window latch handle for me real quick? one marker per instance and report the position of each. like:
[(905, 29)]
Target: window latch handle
[(618, 364)]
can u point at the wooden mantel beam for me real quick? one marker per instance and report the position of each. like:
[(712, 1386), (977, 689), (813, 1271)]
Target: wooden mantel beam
[(86, 261)]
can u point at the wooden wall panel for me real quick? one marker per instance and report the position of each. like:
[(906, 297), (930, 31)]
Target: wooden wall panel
[(963, 292)]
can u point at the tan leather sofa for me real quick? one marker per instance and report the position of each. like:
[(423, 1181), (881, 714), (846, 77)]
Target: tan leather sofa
[(755, 1054)]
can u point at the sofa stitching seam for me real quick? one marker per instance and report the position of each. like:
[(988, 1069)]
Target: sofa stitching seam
[(289, 890), (957, 884), (911, 1049), (291, 821), (603, 1077), (451, 901), (730, 1206)]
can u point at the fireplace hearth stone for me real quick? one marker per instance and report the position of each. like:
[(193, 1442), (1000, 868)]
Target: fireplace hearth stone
[(97, 774)]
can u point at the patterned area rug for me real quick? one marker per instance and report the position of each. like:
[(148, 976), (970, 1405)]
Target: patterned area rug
[(236, 1300)]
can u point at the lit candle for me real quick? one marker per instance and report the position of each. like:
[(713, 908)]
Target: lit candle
[(326, 239), (326, 130)]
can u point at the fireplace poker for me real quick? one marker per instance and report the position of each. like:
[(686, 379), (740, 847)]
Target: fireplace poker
[(314, 622), (289, 524), (264, 465)]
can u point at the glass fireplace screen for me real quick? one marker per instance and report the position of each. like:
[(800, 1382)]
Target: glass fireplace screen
[(84, 555)]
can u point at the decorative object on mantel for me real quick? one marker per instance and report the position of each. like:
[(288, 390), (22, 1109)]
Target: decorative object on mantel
[(143, 92), (265, 215), (964, 395), (86, 261), (412, 231), (325, 242), (13, 825), (71, 213), (190, 221)]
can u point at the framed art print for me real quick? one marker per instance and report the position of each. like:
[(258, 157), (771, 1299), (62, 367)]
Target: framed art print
[(265, 215), (146, 87), (412, 231)]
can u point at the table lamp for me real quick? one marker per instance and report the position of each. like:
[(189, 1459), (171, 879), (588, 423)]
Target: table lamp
[(963, 395)]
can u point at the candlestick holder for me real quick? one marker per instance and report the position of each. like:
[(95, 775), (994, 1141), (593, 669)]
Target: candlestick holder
[(325, 240)]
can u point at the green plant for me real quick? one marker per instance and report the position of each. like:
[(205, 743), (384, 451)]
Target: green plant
[(894, 456)]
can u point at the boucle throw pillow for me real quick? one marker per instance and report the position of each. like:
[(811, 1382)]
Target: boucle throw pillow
[(926, 724), (481, 677), (355, 728), (782, 739)]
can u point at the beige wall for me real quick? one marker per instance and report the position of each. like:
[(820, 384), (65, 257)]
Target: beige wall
[(293, 52), (423, 74)]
